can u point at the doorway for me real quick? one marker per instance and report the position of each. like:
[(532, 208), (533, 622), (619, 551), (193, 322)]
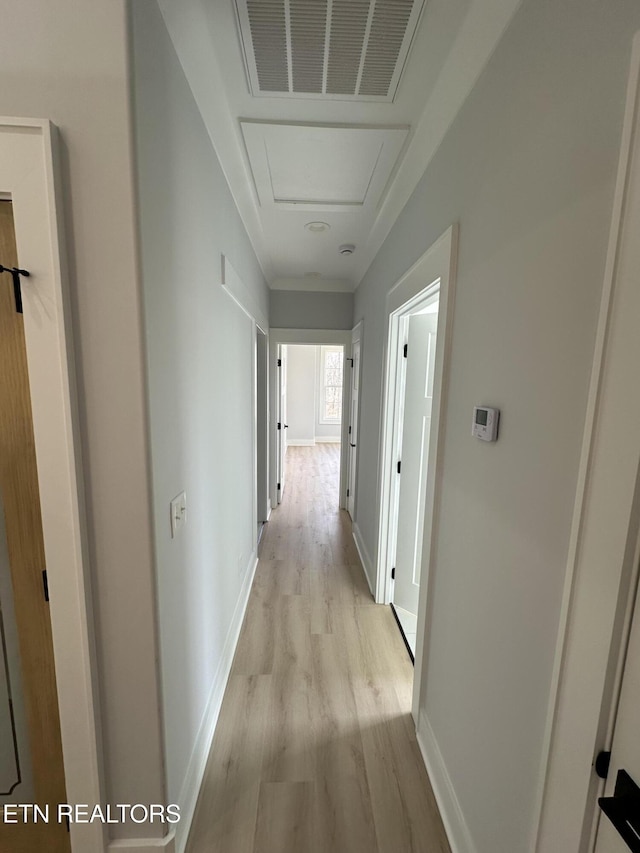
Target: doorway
[(262, 430), (312, 415), (311, 380), (420, 311), (354, 414), (31, 764), (419, 332)]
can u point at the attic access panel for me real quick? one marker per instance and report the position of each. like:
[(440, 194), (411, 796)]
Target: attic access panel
[(321, 167), (340, 49)]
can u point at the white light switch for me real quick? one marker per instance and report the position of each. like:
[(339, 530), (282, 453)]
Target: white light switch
[(178, 513)]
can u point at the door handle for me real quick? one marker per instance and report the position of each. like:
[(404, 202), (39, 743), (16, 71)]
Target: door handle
[(623, 810), (286, 426), (352, 444)]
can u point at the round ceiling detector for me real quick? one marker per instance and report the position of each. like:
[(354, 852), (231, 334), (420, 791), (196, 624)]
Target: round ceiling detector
[(317, 227), (347, 249)]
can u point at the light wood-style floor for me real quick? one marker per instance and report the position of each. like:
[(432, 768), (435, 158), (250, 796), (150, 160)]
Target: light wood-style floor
[(315, 748)]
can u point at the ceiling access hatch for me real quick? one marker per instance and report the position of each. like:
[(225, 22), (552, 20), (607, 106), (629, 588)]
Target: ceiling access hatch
[(340, 49)]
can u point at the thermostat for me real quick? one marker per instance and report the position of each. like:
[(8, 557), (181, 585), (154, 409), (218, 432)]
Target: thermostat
[(485, 423)]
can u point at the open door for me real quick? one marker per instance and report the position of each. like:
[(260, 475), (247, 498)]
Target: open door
[(282, 418), (420, 353), (353, 427)]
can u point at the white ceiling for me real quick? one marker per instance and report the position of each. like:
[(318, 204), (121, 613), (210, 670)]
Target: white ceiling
[(349, 163)]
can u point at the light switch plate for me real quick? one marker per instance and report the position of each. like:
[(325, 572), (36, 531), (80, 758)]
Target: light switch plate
[(178, 513)]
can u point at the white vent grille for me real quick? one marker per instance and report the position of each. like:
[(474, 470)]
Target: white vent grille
[(353, 49)]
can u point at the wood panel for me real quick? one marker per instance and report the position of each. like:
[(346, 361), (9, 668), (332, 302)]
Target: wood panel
[(21, 500), (315, 749)]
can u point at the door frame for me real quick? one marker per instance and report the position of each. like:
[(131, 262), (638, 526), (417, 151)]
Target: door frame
[(262, 425), (602, 558), (437, 266), (234, 287), (35, 190), (314, 337), (357, 334)]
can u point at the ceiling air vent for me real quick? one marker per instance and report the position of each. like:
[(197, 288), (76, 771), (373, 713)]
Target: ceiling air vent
[(345, 49)]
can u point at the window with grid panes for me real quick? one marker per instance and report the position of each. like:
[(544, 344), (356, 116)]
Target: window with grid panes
[(331, 378)]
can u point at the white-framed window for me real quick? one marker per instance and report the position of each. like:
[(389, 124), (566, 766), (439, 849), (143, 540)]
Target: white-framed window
[(331, 375)]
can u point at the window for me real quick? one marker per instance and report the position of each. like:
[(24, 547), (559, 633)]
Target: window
[(331, 363)]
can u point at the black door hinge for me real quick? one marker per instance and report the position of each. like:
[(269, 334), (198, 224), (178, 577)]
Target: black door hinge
[(45, 585), (349, 430), (399, 466), (15, 274), (279, 362), (405, 350), (601, 764), (279, 425), (393, 573), (278, 486), (347, 492)]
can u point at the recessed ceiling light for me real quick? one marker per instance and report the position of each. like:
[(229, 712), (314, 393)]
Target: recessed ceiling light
[(317, 227), (347, 249)]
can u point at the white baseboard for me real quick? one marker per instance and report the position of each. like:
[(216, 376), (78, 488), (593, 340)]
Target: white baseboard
[(269, 508), (300, 442), (144, 845), (200, 753), (365, 559), (328, 439), (455, 825)]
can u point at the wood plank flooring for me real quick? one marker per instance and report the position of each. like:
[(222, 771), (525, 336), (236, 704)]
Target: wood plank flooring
[(315, 749)]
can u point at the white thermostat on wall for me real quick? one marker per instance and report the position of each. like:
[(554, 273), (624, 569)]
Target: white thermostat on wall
[(485, 423)]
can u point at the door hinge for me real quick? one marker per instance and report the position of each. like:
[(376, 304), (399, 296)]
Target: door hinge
[(405, 350), (15, 274), (347, 492), (393, 573), (45, 585), (349, 430), (601, 764), (279, 362), (278, 486), (279, 425), (399, 466)]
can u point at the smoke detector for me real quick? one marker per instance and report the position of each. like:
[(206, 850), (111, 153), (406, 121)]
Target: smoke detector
[(347, 249)]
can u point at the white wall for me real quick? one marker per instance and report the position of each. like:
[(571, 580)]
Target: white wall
[(67, 61), (199, 350), (302, 373), (527, 170)]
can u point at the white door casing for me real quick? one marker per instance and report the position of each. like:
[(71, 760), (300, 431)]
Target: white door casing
[(353, 426), (414, 454), (29, 174)]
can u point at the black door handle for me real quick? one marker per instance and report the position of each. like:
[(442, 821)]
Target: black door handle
[(623, 810), (286, 426), (352, 445)]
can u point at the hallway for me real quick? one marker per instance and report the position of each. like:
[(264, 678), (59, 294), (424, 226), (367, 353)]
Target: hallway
[(315, 748)]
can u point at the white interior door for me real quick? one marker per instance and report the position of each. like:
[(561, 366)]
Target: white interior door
[(418, 403), (353, 427), (619, 826), (282, 417)]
